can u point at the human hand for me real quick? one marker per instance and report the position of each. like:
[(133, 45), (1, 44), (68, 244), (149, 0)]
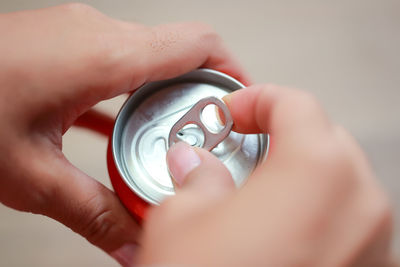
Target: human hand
[(55, 64), (313, 202)]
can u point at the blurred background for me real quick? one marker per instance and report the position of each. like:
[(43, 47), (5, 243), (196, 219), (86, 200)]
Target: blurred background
[(346, 52)]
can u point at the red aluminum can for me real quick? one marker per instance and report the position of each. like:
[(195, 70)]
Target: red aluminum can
[(139, 141)]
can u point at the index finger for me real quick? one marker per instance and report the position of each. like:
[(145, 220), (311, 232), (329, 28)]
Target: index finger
[(275, 110), (180, 47), (166, 51)]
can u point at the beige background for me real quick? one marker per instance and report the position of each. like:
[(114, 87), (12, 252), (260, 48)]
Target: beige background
[(345, 52)]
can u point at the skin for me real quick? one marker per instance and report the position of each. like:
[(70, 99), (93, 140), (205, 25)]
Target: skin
[(56, 63), (315, 202)]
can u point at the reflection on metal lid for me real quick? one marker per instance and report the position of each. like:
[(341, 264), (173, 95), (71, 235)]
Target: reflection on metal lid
[(140, 138)]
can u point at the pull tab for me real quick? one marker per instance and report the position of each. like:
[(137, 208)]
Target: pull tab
[(211, 140)]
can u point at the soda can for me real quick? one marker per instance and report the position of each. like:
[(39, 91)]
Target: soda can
[(136, 155)]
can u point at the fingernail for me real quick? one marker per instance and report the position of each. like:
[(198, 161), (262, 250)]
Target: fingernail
[(181, 159), (220, 116), (125, 255), (227, 99)]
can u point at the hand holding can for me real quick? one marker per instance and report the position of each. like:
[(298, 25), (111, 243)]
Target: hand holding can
[(314, 202), (161, 113), (315, 198), (55, 71)]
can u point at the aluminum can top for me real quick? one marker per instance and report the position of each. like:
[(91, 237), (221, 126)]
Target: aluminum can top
[(142, 127)]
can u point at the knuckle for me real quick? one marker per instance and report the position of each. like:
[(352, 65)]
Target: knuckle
[(340, 130), (333, 154), (327, 156), (203, 33), (343, 136), (348, 141), (378, 216), (202, 27), (385, 214), (78, 8), (99, 226), (379, 207), (167, 35), (351, 151), (102, 221), (385, 209), (268, 87), (304, 100), (196, 35), (210, 35), (162, 37)]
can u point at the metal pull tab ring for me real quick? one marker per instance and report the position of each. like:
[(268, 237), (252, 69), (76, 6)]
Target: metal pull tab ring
[(211, 140)]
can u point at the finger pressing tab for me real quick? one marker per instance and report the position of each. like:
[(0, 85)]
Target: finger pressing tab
[(182, 159), (197, 169), (250, 108), (274, 110)]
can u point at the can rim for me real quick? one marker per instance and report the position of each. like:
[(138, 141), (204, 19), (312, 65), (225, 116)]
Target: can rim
[(116, 133)]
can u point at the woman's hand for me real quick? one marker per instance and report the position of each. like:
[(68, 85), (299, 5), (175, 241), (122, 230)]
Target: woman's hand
[(313, 202), (55, 64)]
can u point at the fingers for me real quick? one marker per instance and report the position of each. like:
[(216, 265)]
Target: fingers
[(275, 110), (174, 49), (201, 183), (200, 180), (87, 207), (198, 171), (142, 54)]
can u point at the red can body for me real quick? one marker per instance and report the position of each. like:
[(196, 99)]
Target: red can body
[(136, 206), (140, 138)]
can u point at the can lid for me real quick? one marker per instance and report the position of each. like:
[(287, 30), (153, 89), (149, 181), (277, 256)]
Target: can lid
[(141, 131)]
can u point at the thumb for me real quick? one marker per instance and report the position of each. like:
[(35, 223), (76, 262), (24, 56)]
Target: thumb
[(199, 172), (87, 207), (201, 182)]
